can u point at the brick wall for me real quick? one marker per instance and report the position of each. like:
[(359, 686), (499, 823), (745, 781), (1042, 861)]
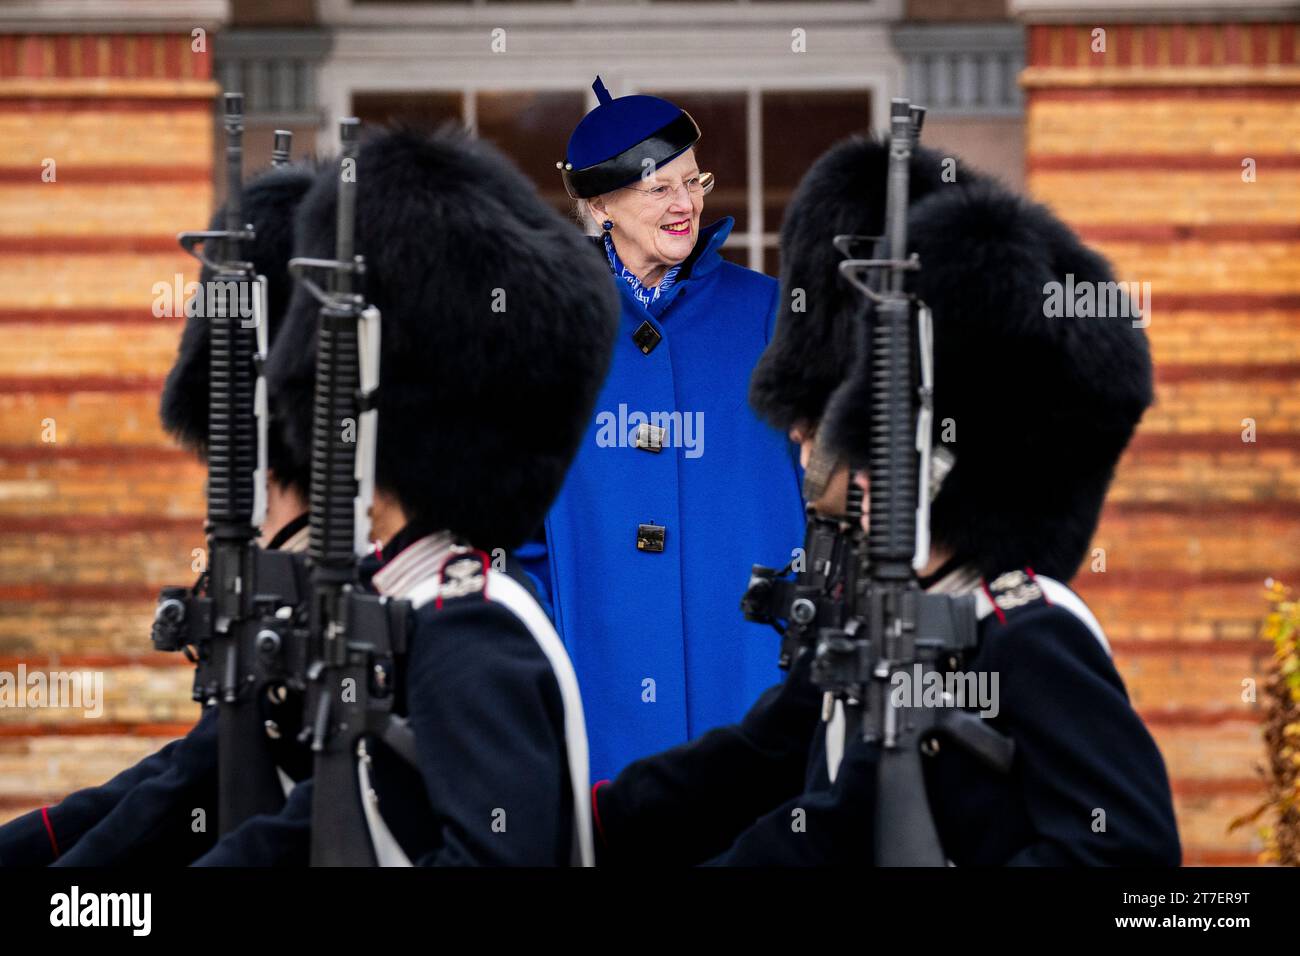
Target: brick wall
[(1140, 148), (97, 507)]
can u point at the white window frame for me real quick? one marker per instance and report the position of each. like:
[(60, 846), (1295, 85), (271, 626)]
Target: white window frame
[(731, 48)]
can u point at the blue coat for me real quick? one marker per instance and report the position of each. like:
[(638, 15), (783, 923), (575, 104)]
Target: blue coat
[(661, 650)]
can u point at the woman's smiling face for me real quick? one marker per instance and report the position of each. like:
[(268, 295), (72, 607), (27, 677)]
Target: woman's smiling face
[(657, 219)]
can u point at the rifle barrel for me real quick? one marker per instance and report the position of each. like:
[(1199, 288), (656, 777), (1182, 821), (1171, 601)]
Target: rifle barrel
[(234, 122), (347, 212), (900, 158)]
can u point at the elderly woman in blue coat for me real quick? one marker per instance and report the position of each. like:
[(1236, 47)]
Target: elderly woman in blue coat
[(678, 488)]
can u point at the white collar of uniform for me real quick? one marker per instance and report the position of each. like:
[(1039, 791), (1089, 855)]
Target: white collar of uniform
[(297, 542), (1055, 593), (417, 562), (962, 580)]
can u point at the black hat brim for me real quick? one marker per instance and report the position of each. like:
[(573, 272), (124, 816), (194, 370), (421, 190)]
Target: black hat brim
[(660, 148)]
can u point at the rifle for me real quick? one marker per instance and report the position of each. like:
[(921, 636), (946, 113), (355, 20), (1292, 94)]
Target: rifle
[(896, 627), (816, 596), (239, 615), (858, 603), (356, 637)]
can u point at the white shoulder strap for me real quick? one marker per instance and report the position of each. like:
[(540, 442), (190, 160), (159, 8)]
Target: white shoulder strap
[(505, 590), (388, 852), (835, 741)]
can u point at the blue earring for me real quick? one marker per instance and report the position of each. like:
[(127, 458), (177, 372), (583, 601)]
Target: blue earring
[(607, 225)]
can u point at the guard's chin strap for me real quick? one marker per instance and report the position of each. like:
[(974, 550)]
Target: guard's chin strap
[(368, 343), (924, 421), (261, 410), (821, 466)]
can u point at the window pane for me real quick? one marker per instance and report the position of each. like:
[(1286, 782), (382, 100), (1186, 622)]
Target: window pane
[(772, 262), (533, 130), (797, 128), (721, 150), (736, 252), (425, 110)]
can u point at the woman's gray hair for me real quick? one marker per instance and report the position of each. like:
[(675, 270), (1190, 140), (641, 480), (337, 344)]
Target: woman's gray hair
[(583, 215)]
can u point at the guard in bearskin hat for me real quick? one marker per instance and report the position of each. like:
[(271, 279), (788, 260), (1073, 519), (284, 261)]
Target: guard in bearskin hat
[(1031, 414), (144, 814), (497, 326), (813, 345)]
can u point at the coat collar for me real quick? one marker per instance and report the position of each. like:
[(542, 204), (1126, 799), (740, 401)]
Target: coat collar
[(705, 257), (413, 563)]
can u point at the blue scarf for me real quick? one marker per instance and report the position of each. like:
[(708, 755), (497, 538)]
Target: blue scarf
[(647, 297)]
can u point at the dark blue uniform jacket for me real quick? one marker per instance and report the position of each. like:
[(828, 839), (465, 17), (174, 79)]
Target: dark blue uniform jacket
[(147, 809), (730, 797), (488, 720)]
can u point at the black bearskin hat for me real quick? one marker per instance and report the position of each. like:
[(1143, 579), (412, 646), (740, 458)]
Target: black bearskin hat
[(498, 327), (843, 193), (269, 203), (1041, 405)]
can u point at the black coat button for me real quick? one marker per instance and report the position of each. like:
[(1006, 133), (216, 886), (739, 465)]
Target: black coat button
[(650, 537), (646, 337)]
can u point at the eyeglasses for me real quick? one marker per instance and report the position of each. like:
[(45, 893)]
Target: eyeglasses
[(701, 184)]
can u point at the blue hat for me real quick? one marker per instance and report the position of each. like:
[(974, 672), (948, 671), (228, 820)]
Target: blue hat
[(611, 144)]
